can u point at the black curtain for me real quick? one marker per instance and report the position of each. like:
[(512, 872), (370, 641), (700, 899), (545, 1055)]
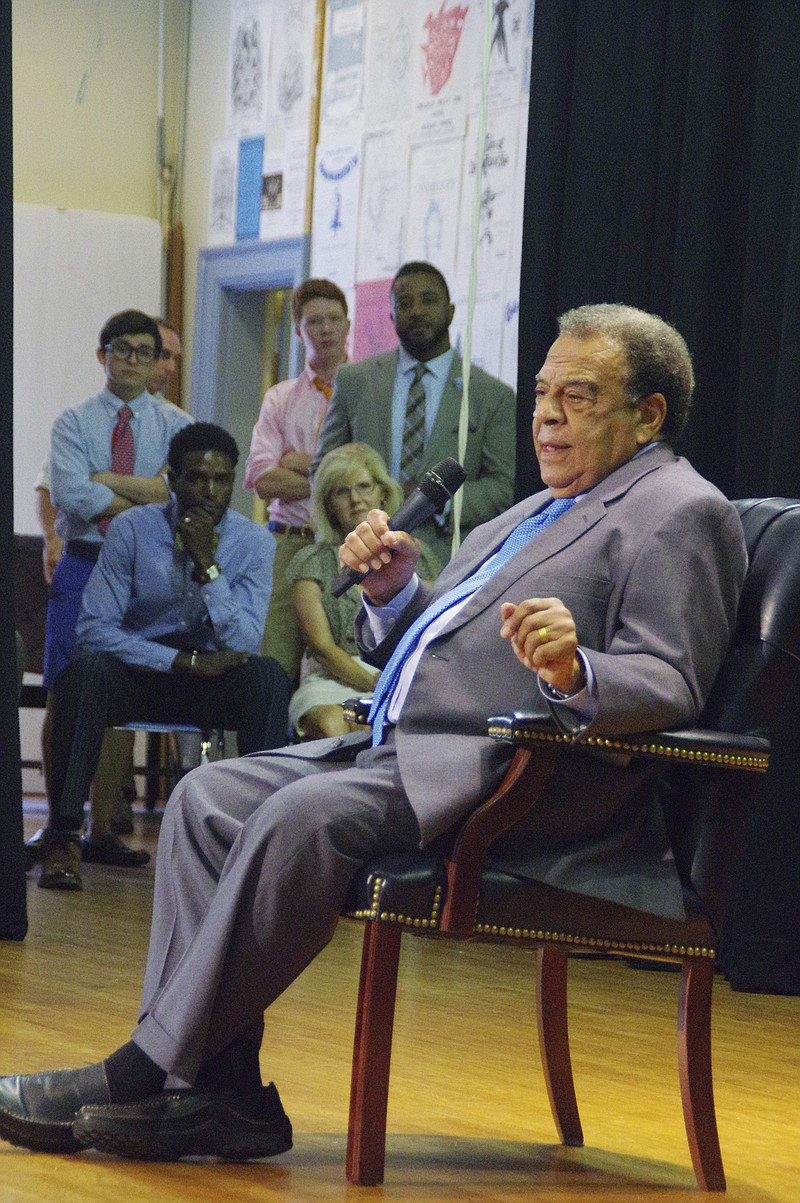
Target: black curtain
[(13, 915), (663, 172)]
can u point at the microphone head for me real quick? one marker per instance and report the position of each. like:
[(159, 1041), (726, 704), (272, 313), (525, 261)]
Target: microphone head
[(442, 481)]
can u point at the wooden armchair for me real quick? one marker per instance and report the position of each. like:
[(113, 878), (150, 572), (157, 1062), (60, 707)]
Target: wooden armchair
[(711, 774)]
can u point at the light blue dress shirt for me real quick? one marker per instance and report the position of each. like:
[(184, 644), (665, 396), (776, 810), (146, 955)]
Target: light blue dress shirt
[(141, 602), (80, 444), (434, 381)]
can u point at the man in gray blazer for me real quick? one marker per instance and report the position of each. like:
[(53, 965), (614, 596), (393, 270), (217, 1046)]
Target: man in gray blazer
[(608, 599), (370, 399)]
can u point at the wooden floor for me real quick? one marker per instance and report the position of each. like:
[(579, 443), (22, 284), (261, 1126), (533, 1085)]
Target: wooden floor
[(468, 1113)]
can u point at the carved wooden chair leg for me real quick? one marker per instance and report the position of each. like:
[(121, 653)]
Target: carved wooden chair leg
[(554, 1043), (369, 1087), (694, 1064)]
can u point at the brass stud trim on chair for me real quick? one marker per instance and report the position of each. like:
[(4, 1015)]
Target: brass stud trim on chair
[(622, 946), (430, 922), (753, 762)]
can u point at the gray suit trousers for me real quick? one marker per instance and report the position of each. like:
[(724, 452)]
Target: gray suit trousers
[(255, 860)]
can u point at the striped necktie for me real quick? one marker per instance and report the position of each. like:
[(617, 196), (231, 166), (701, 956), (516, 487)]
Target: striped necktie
[(413, 429), (519, 536), (122, 452)]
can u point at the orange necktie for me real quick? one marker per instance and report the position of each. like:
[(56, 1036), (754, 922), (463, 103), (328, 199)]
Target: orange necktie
[(323, 387)]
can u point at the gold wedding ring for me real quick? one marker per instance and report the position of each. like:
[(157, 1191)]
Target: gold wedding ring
[(543, 636)]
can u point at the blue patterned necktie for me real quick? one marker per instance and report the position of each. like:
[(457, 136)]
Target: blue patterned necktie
[(517, 539)]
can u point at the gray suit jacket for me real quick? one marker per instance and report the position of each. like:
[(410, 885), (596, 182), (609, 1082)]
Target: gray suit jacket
[(651, 564), (360, 411)]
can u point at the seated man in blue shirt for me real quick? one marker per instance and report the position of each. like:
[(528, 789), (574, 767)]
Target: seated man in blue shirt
[(169, 629)]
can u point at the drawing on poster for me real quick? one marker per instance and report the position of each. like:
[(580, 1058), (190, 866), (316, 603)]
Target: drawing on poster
[(499, 38), (223, 197), (291, 76), (433, 232), (247, 73), (336, 219), (495, 158), (444, 34), (334, 175), (399, 50), (272, 191), (488, 197)]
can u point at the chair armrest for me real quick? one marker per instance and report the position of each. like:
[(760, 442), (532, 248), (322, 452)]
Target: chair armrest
[(749, 753)]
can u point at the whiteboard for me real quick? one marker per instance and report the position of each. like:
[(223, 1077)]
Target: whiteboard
[(72, 270)]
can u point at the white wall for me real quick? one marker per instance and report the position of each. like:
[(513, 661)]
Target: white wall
[(72, 270)]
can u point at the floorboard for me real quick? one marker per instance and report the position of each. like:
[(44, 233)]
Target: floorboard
[(468, 1111)]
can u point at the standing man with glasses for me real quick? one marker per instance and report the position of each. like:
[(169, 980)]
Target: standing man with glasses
[(106, 455), (284, 438)]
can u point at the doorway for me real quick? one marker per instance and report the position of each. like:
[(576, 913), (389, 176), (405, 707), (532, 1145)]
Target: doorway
[(243, 336)]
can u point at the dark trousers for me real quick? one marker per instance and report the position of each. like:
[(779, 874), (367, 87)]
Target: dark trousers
[(97, 690)]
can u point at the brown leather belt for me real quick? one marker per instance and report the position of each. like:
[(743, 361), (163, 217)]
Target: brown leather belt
[(283, 528)]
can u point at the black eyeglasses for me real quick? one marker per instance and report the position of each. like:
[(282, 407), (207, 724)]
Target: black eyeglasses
[(123, 350)]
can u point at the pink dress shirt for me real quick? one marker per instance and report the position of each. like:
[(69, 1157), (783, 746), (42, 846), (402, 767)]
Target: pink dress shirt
[(290, 418)]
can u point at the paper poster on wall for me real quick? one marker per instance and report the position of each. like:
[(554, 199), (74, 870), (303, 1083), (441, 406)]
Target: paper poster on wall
[(433, 203), (508, 42), (392, 63), (335, 215), (518, 218), (248, 192), (498, 196), (343, 67), (248, 67), (527, 57), (291, 64), (381, 224), (372, 323), (487, 322), (443, 49), (222, 193), (508, 363), (283, 190)]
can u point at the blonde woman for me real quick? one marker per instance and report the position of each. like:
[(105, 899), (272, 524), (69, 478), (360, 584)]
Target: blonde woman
[(350, 481)]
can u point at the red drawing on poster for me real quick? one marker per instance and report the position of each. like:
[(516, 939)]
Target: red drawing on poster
[(444, 34)]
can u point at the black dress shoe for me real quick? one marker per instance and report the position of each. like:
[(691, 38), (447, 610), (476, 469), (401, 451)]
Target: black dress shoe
[(38, 1110), (36, 847), (110, 850), (61, 864), (231, 1124)]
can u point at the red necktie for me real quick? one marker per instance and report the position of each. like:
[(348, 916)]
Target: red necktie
[(121, 452)]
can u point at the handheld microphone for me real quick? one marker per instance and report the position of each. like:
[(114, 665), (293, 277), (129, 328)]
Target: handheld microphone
[(431, 494)]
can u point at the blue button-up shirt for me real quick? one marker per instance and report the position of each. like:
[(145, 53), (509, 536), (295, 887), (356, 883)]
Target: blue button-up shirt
[(80, 444), (141, 603)]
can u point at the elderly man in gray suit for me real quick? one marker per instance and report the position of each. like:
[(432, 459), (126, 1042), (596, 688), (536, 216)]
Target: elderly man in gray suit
[(406, 404), (608, 599)]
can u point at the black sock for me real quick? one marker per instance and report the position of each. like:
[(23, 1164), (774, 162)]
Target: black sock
[(66, 826), (132, 1075), (235, 1067)]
